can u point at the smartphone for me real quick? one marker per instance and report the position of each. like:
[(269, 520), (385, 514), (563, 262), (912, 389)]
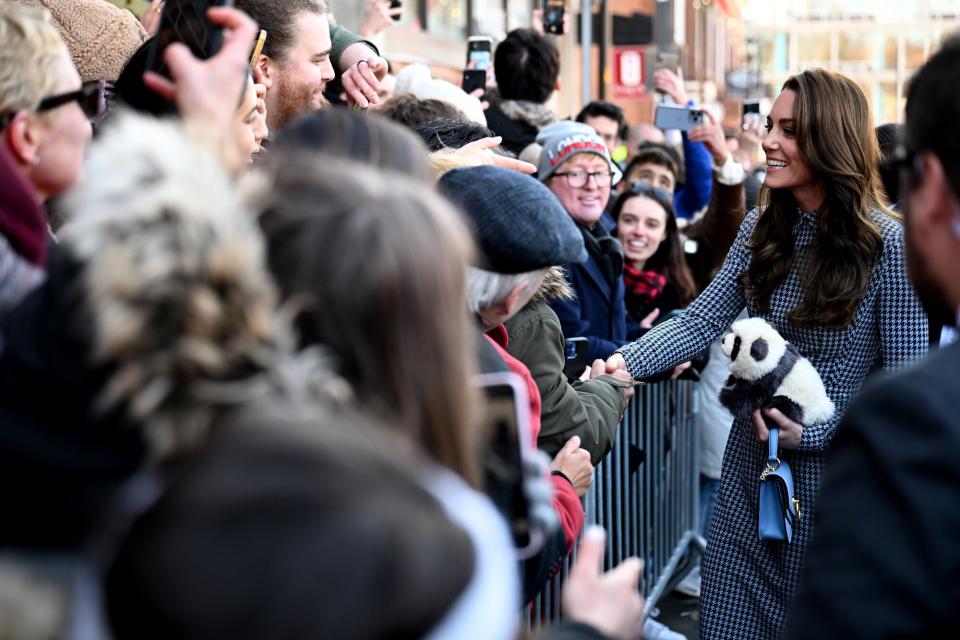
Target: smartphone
[(479, 61), (575, 352), (553, 17), (509, 444), (396, 4), (673, 117), (258, 47), (667, 60), (751, 113), (186, 21)]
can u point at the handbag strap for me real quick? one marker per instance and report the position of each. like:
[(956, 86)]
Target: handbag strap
[(773, 442)]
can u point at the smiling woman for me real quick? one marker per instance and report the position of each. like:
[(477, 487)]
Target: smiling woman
[(821, 260), (655, 272)]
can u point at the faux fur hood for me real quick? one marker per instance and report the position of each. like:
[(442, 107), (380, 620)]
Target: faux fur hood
[(554, 287), (175, 293), (536, 115)]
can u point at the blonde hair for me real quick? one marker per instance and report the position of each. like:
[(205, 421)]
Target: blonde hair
[(31, 48)]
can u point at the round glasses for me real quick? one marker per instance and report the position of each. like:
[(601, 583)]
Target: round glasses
[(579, 179)]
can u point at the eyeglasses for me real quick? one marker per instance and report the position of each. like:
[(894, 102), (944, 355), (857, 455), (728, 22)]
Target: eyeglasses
[(92, 98), (579, 179), (646, 189)]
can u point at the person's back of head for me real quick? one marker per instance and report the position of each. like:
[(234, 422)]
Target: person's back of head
[(409, 111), (101, 36), (887, 136), (933, 110), (527, 66), (31, 48), (450, 134), (356, 136), (279, 20), (320, 528), (130, 90), (376, 266), (522, 231), (169, 267)]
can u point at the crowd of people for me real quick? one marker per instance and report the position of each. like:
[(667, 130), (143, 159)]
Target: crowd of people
[(245, 306)]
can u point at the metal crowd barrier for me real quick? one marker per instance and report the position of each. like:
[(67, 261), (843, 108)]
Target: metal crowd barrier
[(645, 494)]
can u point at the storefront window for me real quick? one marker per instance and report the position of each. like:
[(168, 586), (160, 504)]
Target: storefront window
[(814, 49), (447, 18)]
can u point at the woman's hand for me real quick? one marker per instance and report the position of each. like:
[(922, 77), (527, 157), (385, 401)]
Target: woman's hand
[(790, 431)]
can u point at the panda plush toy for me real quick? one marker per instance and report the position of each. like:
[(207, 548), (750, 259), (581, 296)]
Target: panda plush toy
[(767, 372)]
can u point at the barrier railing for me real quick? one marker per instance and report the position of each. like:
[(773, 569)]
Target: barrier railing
[(646, 495)]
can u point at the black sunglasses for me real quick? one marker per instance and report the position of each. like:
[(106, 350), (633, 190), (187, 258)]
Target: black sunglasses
[(647, 189), (91, 96)]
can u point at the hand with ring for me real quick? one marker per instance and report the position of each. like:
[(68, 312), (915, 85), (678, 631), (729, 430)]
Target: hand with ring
[(363, 71)]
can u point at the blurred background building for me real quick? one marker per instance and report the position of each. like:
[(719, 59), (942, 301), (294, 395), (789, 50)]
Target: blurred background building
[(879, 44), (731, 50)]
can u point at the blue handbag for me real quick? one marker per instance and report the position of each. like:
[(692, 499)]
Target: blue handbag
[(779, 509)]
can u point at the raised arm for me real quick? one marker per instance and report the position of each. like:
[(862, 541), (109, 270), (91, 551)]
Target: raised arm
[(702, 322)]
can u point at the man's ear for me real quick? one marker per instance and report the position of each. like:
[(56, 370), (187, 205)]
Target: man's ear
[(23, 137), (931, 203), (510, 305), (556, 85), (265, 71)]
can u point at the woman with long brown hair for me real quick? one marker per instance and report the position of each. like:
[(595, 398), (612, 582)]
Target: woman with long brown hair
[(822, 261), (655, 272)]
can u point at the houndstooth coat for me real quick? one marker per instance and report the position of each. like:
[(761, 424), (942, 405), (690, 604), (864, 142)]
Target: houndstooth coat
[(747, 584)]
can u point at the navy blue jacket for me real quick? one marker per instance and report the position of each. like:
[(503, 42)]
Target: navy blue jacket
[(598, 312)]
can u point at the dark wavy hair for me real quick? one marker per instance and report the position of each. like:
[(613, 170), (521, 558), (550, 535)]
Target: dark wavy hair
[(835, 138), (668, 258)]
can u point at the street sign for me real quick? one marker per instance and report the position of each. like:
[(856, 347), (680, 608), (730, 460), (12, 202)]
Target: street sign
[(629, 65)]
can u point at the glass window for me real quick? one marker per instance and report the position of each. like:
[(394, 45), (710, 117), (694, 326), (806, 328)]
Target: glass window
[(813, 49), (889, 108), (518, 14), (447, 18), (886, 51), (914, 50), (854, 50)]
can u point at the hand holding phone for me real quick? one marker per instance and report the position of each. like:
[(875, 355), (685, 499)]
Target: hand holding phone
[(553, 11), (479, 62), (575, 356), (207, 92), (672, 117), (751, 114), (186, 22)]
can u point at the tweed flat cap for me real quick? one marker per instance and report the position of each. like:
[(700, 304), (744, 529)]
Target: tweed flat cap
[(517, 222)]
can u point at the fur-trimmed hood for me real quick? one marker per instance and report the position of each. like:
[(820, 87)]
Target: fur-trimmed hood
[(171, 275), (554, 287), (532, 113)]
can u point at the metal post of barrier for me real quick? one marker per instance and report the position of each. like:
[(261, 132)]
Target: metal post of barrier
[(646, 495)]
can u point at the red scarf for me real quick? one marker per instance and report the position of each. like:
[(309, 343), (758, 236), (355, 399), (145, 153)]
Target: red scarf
[(22, 221), (642, 287)]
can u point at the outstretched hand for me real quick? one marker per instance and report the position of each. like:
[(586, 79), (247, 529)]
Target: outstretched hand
[(609, 602)]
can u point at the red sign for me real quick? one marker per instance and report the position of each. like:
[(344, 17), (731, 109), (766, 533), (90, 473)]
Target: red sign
[(629, 67)]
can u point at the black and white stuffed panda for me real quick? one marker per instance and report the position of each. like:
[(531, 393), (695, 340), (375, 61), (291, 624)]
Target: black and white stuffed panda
[(767, 372)]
